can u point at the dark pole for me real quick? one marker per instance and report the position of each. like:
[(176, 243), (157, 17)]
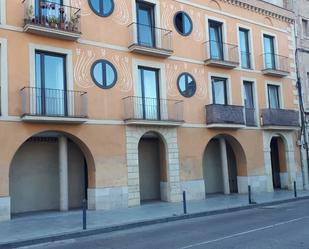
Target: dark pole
[(249, 194), (184, 202), (84, 214), (295, 190)]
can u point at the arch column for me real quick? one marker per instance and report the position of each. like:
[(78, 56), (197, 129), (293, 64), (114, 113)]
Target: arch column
[(224, 165), (63, 173)]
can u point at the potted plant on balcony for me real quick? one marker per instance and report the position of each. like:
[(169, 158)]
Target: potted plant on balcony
[(73, 23), (29, 14), (52, 21)]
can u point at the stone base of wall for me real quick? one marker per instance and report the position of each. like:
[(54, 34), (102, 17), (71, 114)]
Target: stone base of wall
[(284, 180), (257, 183), (107, 198), (195, 190), (299, 181), (5, 208)]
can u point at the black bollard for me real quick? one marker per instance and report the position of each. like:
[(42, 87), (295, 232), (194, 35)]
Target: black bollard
[(184, 202), (249, 194), (84, 214), (295, 190)]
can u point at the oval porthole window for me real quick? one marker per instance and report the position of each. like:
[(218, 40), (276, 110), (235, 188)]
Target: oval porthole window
[(186, 85), (183, 23), (102, 7), (104, 74)]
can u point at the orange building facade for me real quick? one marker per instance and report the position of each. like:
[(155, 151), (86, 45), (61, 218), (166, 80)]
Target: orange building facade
[(126, 101)]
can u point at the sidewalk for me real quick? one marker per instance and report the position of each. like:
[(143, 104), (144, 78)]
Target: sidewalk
[(49, 226)]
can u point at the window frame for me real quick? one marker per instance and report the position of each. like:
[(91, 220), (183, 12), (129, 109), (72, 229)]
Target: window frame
[(247, 32), (101, 6), (101, 61), (186, 74), (277, 87), (226, 101), (190, 20)]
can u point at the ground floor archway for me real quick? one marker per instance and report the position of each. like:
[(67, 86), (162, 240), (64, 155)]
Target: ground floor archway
[(223, 162), (48, 172)]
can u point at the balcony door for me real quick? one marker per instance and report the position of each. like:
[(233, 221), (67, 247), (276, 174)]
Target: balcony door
[(249, 103), (145, 24), (244, 48), (215, 40), (273, 97), (50, 91), (48, 8), (149, 101), (219, 91), (269, 52)]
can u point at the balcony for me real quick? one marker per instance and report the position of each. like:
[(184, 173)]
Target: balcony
[(53, 105), (275, 65), (149, 40), (279, 119), (52, 20), (250, 117), (225, 116), (223, 55), (152, 111)]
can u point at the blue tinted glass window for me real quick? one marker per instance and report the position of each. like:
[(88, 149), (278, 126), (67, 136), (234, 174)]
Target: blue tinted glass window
[(183, 23), (104, 74), (102, 7)]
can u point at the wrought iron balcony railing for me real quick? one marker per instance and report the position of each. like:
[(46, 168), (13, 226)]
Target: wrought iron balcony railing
[(53, 103), (225, 115), (279, 117), (150, 40), (250, 117), (153, 109), (221, 54), (48, 16), (275, 65)]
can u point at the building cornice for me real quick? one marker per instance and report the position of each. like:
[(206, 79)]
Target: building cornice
[(264, 8)]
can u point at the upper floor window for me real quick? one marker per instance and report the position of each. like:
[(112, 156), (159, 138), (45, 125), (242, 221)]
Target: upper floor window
[(104, 74), (305, 27), (102, 7), (245, 55), (273, 97), (248, 95), (269, 52), (145, 24), (219, 90), (215, 40), (183, 23)]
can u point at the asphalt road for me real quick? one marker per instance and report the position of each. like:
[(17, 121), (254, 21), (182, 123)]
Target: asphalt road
[(284, 226)]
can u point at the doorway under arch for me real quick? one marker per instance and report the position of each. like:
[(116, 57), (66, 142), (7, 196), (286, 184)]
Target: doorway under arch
[(223, 162), (152, 167), (34, 178)]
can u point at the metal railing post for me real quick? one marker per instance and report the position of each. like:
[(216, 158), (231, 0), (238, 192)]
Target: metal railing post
[(295, 190), (249, 194), (184, 202)]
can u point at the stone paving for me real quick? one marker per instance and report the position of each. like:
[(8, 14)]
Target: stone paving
[(45, 224)]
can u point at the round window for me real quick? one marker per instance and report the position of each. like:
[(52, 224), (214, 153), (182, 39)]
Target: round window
[(183, 23), (102, 7), (104, 74), (186, 85)]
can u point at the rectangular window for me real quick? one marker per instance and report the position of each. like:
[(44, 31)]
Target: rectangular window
[(145, 24), (215, 40), (149, 102), (219, 91), (248, 95), (269, 52), (50, 84), (244, 48), (305, 27), (273, 96)]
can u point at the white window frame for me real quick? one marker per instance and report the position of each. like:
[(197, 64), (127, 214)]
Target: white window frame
[(275, 83), (251, 47), (275, 45), (255, 96), (4, 77), (69, 68), (228, 87), (3, 12)]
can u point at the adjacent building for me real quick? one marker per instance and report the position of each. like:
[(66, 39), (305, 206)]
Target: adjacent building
[(127, 101)]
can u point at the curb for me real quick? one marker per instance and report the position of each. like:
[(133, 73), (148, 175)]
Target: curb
[(95, 231)]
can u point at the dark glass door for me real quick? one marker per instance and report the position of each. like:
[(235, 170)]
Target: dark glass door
[(269, 50), (145, 24), (244, 48), (249, 103), (50, 92), (149, 89), (44, 8), (219, 91), (215, 40)]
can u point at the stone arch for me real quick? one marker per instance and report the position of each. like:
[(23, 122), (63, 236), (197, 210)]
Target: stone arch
[(287, 140), (235, 158), (48, 142), (169, 138), (214, 4)]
